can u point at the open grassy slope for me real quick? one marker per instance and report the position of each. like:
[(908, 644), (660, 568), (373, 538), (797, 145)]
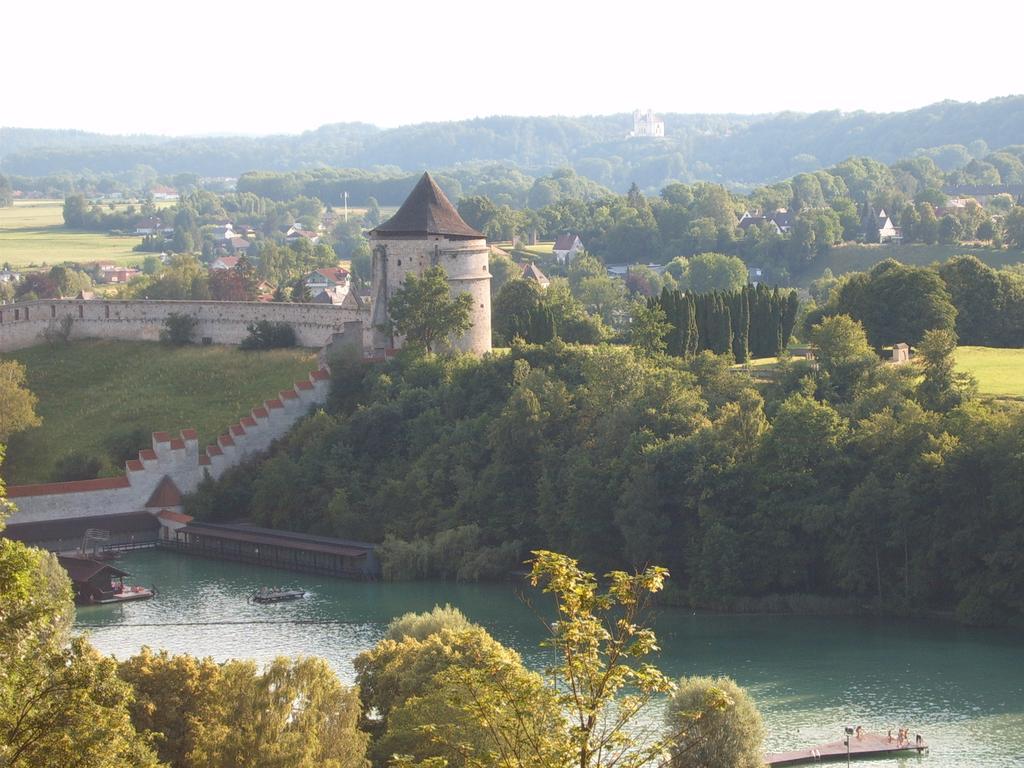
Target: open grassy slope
[(1000, 372), (32, 233), (92, 392)]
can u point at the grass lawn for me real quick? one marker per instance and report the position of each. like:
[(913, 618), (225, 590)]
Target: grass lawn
[(92, 392), (858, 258), (1000, 372), (32, 233)]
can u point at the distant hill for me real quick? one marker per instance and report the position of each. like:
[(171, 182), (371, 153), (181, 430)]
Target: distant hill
[(740, 151)]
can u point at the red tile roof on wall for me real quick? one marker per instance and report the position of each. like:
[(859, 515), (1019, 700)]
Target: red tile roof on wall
[(305, 385), (259, 413), (134, 465), (204, 460), (75, 486), (236, 429), (274, 404), (147, 454), (177, 444), (321, 374), (225, 440), (161, 437), (248, 421), (189, 434), (214, 450), (289, 394), (174, 517)]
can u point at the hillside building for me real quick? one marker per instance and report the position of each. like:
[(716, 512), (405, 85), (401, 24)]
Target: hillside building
[(647, 125), (426, 232)]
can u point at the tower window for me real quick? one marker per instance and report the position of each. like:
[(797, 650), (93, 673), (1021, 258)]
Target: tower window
[(399, 262)]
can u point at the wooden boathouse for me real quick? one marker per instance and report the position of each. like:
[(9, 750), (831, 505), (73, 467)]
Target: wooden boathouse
[(277, 549)]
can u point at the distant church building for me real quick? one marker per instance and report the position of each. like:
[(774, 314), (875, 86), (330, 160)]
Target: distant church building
[(647, 124), (427, 231)]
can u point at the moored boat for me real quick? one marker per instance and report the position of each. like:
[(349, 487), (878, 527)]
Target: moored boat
[(275, 595)]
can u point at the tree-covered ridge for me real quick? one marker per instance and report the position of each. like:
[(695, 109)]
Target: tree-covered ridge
[(840, 481), (733, 149)]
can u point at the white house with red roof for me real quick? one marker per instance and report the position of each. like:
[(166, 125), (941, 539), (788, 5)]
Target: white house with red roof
[(224, 262), (566, 248), (335, 279)]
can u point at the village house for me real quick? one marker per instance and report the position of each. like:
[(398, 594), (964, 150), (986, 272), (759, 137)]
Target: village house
[(223, 232), (224, 262), (532, 272), (336, 279), (149, 226), (265, 291), (779, 221), (160, 193), (878, 227), (118, 276), (238, 245), (8, 275), (566, 248), (295, 233)]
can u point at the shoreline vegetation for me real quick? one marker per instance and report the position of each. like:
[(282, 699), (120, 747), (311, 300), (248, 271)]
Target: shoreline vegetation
[(841, 482)]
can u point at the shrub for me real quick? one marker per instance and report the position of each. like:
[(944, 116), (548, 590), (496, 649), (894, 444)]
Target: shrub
[(77, 466), (178, 329), (59, 332), (267, 334), (728, 736), (419, 626), (126, 444)]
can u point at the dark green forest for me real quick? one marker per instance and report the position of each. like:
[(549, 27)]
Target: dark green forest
[(846, 484), (741, 151)]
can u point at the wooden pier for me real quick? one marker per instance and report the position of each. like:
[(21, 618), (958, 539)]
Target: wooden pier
[(867, 746)]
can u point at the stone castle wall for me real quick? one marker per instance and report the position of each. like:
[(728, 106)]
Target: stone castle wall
[(222, 322), (179, 458), (466, 263)]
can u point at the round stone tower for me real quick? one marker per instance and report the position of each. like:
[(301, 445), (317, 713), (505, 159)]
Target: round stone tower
[(427, 231)]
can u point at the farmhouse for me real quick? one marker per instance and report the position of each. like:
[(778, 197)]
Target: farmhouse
[(566, 248)]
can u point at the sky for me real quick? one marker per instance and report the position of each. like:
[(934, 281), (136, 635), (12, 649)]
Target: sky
[(258, 67)]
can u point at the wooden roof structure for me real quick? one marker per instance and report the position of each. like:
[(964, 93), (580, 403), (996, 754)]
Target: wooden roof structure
[(427, 211), (251, 534)]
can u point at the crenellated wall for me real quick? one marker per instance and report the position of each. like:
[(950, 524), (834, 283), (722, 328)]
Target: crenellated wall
[(222, 322), (178, 458)]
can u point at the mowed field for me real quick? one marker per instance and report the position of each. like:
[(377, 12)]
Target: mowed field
[(32, 234), (1000, 372), (93, 394)]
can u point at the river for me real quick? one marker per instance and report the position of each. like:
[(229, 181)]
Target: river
[(962, 689)]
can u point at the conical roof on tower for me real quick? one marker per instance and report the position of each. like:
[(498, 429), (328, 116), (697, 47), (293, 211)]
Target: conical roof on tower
[(426, 211)]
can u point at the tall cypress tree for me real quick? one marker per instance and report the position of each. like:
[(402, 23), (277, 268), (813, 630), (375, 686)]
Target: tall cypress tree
[(691, 335)]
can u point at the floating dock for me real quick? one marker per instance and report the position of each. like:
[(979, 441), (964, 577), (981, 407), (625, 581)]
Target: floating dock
[(867, 746)]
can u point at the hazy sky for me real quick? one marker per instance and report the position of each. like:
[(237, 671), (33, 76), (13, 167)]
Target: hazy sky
[(211, 66)]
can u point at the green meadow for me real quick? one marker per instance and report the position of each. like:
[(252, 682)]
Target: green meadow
[(32, 234), (1000, 372), (94, 394)]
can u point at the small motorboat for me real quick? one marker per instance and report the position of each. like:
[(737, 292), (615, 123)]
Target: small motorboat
[(275, 595)]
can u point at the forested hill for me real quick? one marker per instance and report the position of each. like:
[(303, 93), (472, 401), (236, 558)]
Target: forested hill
[(736, 150)]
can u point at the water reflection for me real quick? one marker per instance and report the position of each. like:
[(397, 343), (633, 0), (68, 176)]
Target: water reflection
[(962, 689)]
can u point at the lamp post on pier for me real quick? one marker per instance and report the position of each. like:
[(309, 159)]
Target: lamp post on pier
[(846, 741)]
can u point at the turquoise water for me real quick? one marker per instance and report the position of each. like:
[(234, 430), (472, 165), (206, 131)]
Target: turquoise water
[(962, 689)]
